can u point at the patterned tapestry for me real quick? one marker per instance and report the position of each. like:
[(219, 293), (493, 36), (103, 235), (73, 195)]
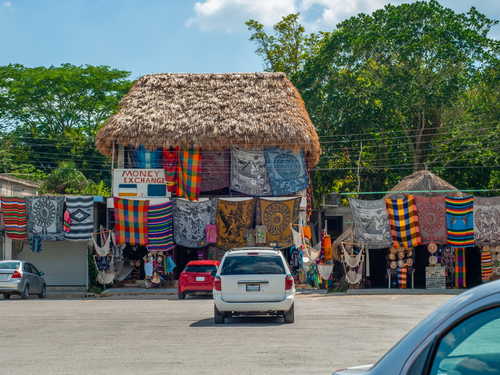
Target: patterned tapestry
[(432, 219), (233, 218), (371, 223), (45, 217), (189, 174), (486, 266), (190, 221), (403, 219), (460, 221), (131, 221), (81, 212), (160, 232), (14, 217), (216, 169), (249, 172), (486, 221), (287, 170), (277, 217), (170, 168)]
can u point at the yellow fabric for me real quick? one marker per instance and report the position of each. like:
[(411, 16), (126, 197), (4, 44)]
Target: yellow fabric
[(327, 244), (277, 216), (233, 217), (307, 231)]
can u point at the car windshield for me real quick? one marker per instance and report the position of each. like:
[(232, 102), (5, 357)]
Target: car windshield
[(9, 266), (200, 268), (253, 265)]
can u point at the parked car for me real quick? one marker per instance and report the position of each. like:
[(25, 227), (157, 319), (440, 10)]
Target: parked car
[(253, 281), (19, 277), (197, 276), (462, 337)]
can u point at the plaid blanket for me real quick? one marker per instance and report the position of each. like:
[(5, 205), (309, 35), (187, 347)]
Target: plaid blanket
[(460, 267), (404, 222), (189, 174), (131, 221), (160, 237), (459, 213), (170, 168), (14, 217), (402, 276), (486, 266)]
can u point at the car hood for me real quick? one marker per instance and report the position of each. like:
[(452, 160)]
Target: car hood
[(354, 370)]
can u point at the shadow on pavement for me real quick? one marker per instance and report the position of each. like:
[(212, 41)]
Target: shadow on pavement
[(262, 321)]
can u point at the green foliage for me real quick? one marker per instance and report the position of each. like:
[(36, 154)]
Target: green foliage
[(94, 286)]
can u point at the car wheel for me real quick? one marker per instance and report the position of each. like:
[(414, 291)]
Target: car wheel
[(181, 295), (6, 296), (43, 293), (218, 316), (289, 315), (26, 293)]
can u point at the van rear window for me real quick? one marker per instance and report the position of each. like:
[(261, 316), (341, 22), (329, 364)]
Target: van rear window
[(253, 265)]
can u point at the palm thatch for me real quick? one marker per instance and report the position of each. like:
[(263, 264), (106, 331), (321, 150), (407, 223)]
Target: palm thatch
[(212, 111)]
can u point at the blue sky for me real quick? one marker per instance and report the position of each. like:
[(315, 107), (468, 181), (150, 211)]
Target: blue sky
[(156, 36)]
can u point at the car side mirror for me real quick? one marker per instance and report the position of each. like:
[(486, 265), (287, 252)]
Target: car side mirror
[(213, 273), (41, 273)]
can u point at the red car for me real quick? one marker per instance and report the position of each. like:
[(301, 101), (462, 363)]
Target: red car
[(198, 276)]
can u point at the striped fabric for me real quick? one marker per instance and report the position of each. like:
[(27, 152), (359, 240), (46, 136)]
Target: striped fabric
[(404, 222), (81, 212), (14, 217), (486, 266), (189, 174), (459, 213), (402, 276), (160, 235), (460, 267), (131, 221), (170, 168), (148, 159)]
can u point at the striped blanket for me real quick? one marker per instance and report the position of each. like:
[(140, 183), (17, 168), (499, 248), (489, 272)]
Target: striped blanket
[(189, 174), (14, 217), (131, 221), (460, 267), (160, 227), (459, 213), (403, 218), (81, 212), (402, 276), (486, 266)]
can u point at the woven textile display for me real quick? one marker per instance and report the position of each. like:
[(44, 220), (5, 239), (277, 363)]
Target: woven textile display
[(45, 217), (170, 168), (216, 170), (460, 267), (459, 212), (404, 222), (277, 217), (81, 212), (160, 232), (249, 172), (432, 219), (14, 217), (287, 170), (148, 159), (189, 174), (371, 223), (487, 221), (486, 266), (402, 277), (131, 221), (191, 220), (233, 218)]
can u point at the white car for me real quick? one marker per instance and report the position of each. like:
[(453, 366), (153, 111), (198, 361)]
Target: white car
[(253, 281)]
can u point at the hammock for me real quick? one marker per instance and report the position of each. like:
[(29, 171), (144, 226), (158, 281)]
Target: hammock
[(102, 250), (325, 270), (352, 262), (105, 277), (313, 252), (297, 236), (352, 277)]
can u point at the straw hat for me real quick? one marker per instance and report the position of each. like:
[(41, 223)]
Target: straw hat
[(497, 249), (156, 278), (433, 260), (401, 263), (401, 254), (394, 264), (486, 248), (493, 257), (393, 250), (132, 263), (410, 252), (432, 247), (137, 263), (496, 271), (409, 262), (159, 258), (392, 256)]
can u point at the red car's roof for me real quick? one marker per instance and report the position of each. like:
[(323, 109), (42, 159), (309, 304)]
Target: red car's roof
[(204, 263)]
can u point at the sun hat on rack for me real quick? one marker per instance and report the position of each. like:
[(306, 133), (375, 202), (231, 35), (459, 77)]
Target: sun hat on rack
[(401, 254), (433, 260), (486, 248), (393, 264), (392, 256), (156, 278), (137, 263), (401, 263), (393, 250), (132, 263), (432, 247), (410, 252), (409, 262)]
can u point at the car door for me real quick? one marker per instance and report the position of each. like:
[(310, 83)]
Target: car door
[(39, 280), (32, 279)]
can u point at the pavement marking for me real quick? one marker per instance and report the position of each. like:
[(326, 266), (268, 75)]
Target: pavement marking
[(89, 301), (68, 314)]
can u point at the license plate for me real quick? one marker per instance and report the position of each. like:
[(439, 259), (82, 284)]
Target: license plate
[(200, 279), (4, 277), (253, 287)]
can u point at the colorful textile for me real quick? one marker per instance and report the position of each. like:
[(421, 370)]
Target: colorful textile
[(66, 221), (277, 217), (148, 159), (233, 217), (486, 266), (402, 276), (131, 221), (160, 232), (14, 217), (307, 231), (371, 223), (459, 213), (81, 212), (460, 267), (191, 220), (327, 245), (403, 218), (487, 221), (249, 172), (45, 217), (309, 194), (211, 233), (170, 167), (432, 219), (189, 174), (216, 170), (287, 170)]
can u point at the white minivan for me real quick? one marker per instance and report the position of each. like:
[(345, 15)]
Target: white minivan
[(253, 281)]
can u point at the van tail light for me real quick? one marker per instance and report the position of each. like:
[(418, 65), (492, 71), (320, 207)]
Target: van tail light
[(16, 275), (217, 283), (289, 282)]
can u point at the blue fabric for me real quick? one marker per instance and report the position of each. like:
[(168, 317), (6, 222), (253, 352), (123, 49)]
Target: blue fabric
[(170, 265), (36, 243), (155, 190), (287, 170), (103, 263), (148, 159)]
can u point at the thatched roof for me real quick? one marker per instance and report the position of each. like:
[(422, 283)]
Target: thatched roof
[(212, 111)]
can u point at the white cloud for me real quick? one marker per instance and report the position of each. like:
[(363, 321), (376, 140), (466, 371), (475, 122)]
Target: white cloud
[(7, 4)]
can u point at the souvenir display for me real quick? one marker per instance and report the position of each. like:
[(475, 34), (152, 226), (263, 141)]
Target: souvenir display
[(403, 220), (460, 221), (432, 219), (277, 217), (45, 217), (215, 173), (432, 247), (191, 220), (487, 221), (287, 170), (189, 172), (233, 218), (249, 172), (14, 217), (131, 221), (160, 230), (81, 212)]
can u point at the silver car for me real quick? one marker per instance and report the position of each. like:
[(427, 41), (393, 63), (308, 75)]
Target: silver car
[(19, 277)]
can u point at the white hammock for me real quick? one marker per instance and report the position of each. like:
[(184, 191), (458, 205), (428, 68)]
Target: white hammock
[(352, 277), (103, 250), (105, 277), (352, 262), (297, 236), (325, 270)]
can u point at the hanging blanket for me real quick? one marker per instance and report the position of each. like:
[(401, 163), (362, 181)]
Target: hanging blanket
[(148, 159), (404, 222), (459, 212), (233, 218), (170, 168), (189, 174), (487, 221), (287, 170), (215, 172), (402, 274), (432, 219), (371, 223), (486, 266), (14, 217), (277, 217), (131, 221), (249, 172), (81, 212), (160, 237), (45, 217), (191, 220), (460, 267)]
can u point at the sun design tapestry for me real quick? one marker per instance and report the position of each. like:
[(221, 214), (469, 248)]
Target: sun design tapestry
[(249, 172), (45, 217), (131, 221), (403, 219), (189, 174), (81, 212), (487, 221), (14, 217), (287, 170), (191, 220), (460, 221), (371, 223), (160, 227), (233, 218), (215, 173), (277, 217), (432, 219)]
